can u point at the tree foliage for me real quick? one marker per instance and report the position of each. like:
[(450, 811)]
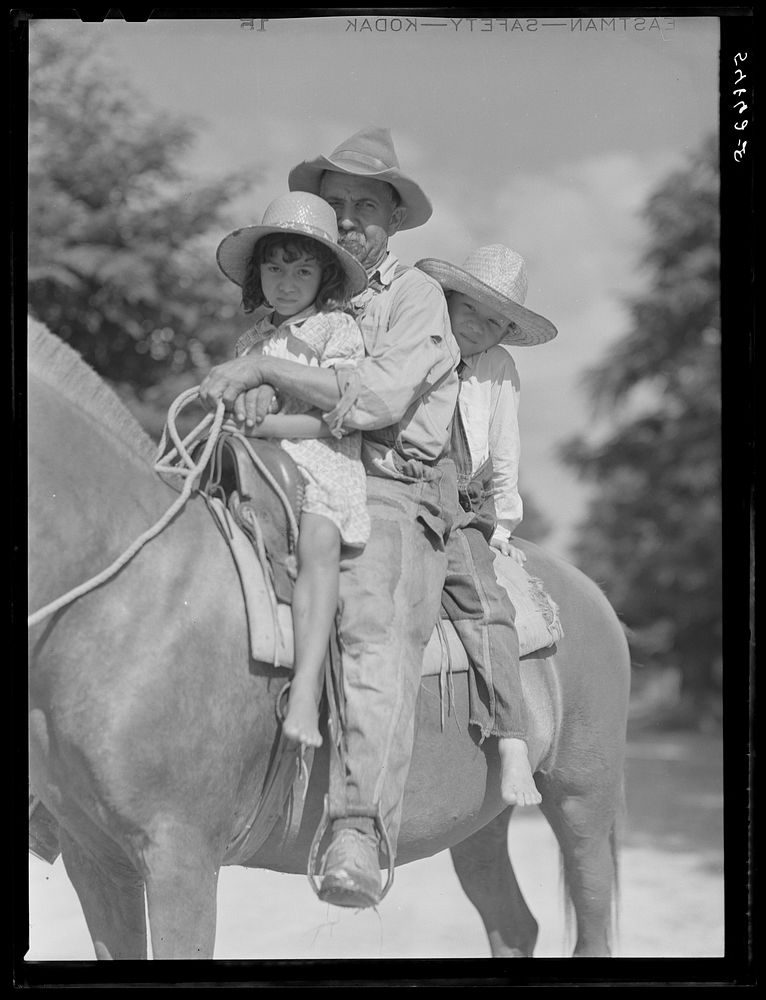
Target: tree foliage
[(652, 535), (121, 240)]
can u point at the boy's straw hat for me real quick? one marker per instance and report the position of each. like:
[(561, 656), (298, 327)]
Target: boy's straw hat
[(297, 212), (497, 277), (367, 153)]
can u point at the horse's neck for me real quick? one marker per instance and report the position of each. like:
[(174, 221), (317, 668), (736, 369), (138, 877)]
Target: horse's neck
[(90, 494)]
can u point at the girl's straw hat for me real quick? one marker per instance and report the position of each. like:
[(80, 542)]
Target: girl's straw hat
[(497, 277), (367, 153), (297, 212)]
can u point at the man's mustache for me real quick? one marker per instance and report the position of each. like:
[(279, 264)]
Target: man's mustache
[(353, 242)]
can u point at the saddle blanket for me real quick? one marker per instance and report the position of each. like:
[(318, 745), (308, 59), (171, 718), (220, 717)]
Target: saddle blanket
[(270, 622), (538, 624)]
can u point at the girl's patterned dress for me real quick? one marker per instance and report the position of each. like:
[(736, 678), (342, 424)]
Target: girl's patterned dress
[(334, 477)]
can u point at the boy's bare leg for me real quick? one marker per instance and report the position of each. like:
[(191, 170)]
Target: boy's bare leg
[(315, 603), (517, 786)]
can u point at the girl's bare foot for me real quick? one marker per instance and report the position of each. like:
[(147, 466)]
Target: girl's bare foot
[(301, 724), (517, 786)]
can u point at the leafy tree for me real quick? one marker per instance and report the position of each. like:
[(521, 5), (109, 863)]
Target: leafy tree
[(652, 535), (118, 261)]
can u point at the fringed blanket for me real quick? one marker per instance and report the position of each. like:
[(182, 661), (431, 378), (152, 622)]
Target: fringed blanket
[(537, 621)]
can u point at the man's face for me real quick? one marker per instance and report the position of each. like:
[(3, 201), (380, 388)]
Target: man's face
[(475, 327), (366, 214)]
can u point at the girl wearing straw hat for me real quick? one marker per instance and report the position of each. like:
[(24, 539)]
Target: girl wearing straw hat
[(292, 271), (485, 300)]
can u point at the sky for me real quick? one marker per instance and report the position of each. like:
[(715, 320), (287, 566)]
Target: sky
[(546, 134)]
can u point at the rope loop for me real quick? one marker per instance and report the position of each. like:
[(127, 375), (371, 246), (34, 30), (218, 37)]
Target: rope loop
[(175, 460)]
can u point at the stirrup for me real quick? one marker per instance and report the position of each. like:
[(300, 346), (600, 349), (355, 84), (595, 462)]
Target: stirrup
[(383, 841), (280, 706)]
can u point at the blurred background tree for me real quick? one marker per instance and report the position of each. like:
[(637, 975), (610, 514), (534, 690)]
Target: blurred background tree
[(535, 526), (121, 240), (652, 534)]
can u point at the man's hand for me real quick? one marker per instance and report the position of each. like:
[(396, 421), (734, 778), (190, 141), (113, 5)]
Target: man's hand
[(507, 549), (229, 382)]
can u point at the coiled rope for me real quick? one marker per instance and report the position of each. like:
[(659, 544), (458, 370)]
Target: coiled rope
[(177, 461)]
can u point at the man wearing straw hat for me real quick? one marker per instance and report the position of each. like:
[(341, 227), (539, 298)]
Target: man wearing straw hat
[(402, 396)]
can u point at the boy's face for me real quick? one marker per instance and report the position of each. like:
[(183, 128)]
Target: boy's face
[(476, 327), (290, 286)]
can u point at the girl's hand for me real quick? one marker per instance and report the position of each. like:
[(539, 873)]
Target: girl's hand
[(504, 545), (257, 404), (254, 431)]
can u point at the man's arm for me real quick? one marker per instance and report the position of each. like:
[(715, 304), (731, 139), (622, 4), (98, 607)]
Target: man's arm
[(406, 360), (230, 381), (316, 386), (410, 357)]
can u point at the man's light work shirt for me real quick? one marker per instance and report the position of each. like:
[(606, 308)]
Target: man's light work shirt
[(402, 395)]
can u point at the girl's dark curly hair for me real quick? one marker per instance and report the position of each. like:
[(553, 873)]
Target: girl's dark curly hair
[(334, 292)]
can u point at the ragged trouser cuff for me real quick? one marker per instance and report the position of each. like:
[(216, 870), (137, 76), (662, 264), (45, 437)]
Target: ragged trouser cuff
[(484, 619)]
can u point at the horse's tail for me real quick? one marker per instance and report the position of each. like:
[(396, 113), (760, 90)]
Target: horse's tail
[(615, 843), (567, 905)]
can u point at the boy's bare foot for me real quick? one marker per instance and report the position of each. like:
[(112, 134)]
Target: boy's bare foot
[(301, 724), (517, 786)]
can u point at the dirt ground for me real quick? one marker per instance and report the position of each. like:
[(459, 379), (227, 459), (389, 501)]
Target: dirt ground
[(672, 887)]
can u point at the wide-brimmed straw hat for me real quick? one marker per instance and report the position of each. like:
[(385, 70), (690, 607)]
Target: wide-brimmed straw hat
[(497, 277), (367, 153), (298, 212)]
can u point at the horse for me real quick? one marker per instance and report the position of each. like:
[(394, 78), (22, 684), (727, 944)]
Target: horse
[(151, 728)]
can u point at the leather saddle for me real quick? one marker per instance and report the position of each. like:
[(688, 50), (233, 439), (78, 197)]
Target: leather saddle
[(255, 503)]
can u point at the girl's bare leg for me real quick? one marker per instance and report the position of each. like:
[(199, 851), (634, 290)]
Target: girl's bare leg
[(315, 602)]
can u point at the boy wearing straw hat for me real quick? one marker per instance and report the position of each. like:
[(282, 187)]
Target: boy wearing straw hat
[(402, 397), (485, 299)]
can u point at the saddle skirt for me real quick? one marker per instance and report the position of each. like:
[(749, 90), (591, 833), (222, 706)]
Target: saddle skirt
[(259, 484)]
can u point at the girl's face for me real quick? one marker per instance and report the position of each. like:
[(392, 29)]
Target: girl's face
[(290, 286), (476, 327)]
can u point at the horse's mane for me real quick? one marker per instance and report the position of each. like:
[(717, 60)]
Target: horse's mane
[(59, 366)]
